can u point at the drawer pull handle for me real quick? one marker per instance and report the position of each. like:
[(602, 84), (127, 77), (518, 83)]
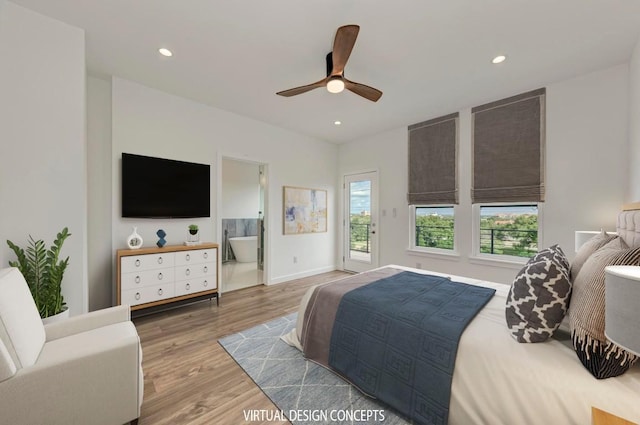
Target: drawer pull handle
[(188, 257), (160, 276), (137, 279), (160, 291), (137, 296), (205, 255), (160, 260), (205, 283), (206, 269), (187, 272), (188, 286), (137, 263)]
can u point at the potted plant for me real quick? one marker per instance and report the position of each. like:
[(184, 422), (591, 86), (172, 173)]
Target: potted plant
[(193, 237), (43, 271)]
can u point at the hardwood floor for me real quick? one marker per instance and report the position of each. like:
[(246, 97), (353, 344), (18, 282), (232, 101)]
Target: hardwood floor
[(188, 377)]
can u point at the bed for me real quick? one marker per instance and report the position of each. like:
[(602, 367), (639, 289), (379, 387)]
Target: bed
[(497, 380)]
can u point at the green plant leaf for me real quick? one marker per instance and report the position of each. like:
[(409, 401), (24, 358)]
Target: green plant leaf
[(43, 271)]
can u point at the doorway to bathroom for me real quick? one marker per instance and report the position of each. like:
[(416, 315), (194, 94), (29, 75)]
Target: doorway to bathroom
[(242, 214)]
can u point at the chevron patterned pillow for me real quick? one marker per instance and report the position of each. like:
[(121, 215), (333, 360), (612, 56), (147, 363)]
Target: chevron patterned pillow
[(554, 253), (538, 299)]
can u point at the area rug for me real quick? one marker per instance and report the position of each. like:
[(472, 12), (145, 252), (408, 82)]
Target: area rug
[(304, 392)]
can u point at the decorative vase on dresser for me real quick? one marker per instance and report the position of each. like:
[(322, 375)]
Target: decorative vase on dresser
[(153, 277), (134, 241)]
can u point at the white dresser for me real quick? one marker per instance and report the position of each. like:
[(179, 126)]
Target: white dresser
[(150, 277)]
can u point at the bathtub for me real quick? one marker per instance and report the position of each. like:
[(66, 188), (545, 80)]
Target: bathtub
[(245, 248)]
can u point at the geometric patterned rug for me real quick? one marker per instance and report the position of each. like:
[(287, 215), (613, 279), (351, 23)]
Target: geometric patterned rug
[(303, 391)]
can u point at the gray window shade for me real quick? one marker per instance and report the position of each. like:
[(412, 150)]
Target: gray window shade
[(508, 149), (433, 165)]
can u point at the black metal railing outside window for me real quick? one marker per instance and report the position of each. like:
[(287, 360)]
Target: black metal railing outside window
[(434, 236), (515, 242)]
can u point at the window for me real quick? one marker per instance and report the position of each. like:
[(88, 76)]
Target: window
[(433, 228), (433, 183), (360, 218), (508, 179), (507, 230)]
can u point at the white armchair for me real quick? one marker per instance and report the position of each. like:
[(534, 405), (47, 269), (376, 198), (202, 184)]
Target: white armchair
[(83, 370)]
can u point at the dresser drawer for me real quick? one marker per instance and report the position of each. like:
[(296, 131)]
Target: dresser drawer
[(192, 286), (207, 284), (146, 278), (195, 270), (146, 262), (195, 256), (148, 294)]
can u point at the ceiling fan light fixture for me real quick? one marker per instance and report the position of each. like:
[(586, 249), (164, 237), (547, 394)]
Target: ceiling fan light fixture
[(165, 52), (336, 60), (335, 85)]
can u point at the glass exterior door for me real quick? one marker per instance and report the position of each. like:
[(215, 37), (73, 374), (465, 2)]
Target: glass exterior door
[(360, 222)]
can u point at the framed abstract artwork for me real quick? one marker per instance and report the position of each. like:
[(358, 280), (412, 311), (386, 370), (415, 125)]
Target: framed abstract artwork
[(304, 210)]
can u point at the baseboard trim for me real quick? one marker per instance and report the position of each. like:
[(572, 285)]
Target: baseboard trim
[(300, 275)]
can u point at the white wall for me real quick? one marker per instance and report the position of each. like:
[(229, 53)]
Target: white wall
[(587, 142), (586, 173), (100, 253), (240, 189), (150, 122), (42, 133), (633, 193)]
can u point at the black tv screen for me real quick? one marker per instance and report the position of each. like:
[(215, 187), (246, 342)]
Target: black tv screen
[(164, 188)]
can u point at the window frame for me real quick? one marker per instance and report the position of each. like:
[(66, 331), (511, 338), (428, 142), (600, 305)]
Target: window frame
[(432, 250), (476, 254)]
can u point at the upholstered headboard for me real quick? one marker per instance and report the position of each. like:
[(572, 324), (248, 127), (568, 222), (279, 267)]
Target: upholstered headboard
[(628, 226)]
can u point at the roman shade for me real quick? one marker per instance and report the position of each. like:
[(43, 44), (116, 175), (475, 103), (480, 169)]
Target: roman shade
[(433, 161), (508, 149)]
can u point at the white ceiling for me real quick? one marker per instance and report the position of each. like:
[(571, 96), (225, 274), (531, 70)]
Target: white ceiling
[(429, 57)]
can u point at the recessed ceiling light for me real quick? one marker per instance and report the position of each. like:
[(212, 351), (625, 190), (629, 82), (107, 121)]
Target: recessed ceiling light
[(165, 52), (499, 59), (337, 122)]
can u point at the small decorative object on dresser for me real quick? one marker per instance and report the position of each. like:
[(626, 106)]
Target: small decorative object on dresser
[(194, 237), (155, 276), (134, 241), (162, 241)]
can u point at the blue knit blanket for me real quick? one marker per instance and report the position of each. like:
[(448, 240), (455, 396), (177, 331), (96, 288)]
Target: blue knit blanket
[(397, 338)]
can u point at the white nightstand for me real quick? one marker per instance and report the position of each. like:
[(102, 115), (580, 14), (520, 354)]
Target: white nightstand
[(622, 298)]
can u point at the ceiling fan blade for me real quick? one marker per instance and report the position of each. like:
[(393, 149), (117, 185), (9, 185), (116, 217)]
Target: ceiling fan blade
[(362, 90), (342, 46), (303, 89)]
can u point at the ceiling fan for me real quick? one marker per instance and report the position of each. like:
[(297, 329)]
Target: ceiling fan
[(336, 61)]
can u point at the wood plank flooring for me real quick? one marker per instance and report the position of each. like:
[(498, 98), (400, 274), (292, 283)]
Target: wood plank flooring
[(188, 377)]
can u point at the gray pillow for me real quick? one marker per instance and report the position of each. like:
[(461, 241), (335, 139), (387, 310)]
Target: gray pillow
[(588, 248), (538, 299)]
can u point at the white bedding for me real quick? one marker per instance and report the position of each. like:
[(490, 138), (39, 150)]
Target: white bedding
[(500, 381)]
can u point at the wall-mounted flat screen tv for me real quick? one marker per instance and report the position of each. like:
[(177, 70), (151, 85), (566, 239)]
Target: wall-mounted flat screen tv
[(164, 188)]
